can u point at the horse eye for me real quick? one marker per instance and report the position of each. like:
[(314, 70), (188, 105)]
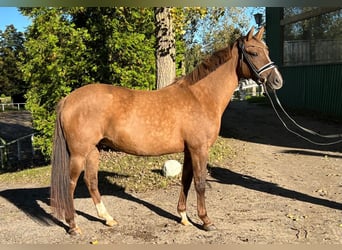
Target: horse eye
[(253, 53)]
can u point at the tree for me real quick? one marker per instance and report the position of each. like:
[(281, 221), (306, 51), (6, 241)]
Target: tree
[(11, 46), (184, 22), (213, 29), (172, 25), (56, 62), (324, 26), (67, 48), (165, 47), (122, 44)]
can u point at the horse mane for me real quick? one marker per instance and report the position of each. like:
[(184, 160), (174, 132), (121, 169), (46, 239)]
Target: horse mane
[(208, 65)]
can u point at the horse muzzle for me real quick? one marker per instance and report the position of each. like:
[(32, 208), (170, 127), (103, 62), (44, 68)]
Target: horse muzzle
[(274, 80)]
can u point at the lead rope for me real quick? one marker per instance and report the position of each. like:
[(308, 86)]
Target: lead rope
[(299, 126)]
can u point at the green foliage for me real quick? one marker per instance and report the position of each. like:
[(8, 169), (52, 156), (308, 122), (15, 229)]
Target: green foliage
[(67, 48), (122, 43), (184, 25), (326, 26), (216, 28), (11, 46), (134, 66), (131, 173), (54, 64)]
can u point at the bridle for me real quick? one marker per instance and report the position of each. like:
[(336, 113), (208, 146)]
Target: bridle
[(257, 72)]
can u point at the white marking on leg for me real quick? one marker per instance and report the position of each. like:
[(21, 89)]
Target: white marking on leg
[(184, 219), (102, 213)]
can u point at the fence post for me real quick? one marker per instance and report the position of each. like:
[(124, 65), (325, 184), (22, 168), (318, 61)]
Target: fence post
[(19, 150), (32, 138), (12, 106), (1, 156)]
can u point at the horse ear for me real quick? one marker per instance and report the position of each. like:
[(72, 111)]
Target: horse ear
[(260, 33), (250, 34)]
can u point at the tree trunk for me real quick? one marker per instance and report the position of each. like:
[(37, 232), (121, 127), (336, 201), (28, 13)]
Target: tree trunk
[(165, 48)]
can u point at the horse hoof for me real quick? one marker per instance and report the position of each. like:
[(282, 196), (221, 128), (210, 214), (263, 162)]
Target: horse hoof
[(111, 223), (186, 223), (210, 227), (75, 231)]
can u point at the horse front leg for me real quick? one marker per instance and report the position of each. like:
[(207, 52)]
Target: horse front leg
[(199, 164), (187, 175)]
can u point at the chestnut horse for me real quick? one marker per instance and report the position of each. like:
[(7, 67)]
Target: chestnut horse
[(182, 117)]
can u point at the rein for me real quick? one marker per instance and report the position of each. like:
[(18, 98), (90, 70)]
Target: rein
[(299, 126), (262, 81)]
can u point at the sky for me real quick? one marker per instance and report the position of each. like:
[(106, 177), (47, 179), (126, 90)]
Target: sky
[(11, 15)]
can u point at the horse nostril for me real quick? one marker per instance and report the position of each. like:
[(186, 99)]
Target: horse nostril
[(279, 80)]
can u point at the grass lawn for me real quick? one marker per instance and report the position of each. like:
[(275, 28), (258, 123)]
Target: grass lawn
[(132, 173)]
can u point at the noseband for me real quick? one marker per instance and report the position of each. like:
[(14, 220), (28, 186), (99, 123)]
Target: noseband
[(257, 72)]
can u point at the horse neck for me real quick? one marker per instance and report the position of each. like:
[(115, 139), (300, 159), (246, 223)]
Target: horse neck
[(218, 87)]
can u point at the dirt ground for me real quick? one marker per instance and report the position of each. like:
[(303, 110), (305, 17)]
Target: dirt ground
[(276, 188)]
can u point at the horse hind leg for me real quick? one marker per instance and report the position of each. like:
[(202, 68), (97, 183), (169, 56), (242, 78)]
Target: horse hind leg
[(91, 180), (76, 167)]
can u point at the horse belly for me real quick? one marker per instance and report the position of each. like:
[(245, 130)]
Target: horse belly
[(145, 140)]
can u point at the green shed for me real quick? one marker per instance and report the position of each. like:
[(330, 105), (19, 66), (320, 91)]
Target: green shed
[(306, 44)]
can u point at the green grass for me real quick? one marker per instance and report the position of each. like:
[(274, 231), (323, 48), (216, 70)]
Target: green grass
[(130, 172), (39, 176), (257, 99), (139, 174)]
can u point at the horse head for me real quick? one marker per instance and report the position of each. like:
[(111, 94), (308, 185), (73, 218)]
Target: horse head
[(255, 62)]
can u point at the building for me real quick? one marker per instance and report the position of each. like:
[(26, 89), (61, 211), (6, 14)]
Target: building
[(306, 44)]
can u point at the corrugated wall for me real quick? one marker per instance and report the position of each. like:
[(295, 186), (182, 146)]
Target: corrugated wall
[(315, 88)]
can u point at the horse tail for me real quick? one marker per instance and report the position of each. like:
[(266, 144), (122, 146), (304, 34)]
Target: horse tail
[(60, 198)]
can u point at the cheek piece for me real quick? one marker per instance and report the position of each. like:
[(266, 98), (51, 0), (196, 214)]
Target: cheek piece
[(257, 72)]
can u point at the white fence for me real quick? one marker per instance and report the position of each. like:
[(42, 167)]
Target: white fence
[(16, 106)]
